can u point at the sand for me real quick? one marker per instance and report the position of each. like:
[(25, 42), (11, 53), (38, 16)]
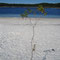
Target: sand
[(18, 36), (27, 20)]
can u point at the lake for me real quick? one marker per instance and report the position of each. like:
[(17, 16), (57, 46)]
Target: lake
[(16, 11)]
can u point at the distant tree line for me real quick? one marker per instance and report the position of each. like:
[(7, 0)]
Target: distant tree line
[(45, 5)]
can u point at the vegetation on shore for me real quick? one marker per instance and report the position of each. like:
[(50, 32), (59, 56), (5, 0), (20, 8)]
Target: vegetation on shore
[(45, 5)]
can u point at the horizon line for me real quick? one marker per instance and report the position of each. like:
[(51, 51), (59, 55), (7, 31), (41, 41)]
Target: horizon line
[(28, 3)]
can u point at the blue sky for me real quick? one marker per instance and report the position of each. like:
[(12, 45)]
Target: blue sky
[(29, 1)]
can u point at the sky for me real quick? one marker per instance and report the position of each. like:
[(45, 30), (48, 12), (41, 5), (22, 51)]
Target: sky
[(29, 1)]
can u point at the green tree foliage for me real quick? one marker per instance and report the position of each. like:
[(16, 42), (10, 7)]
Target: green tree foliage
[(29, 11)]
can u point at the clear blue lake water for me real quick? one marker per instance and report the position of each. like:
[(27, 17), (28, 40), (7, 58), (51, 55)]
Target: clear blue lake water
[(17, 11)]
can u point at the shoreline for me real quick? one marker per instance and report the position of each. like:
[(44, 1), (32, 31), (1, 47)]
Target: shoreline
[(18, 21), (27, 7), (29, 17)]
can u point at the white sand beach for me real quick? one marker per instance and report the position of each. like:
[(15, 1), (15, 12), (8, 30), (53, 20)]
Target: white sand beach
[(19, 36), (27, 20)]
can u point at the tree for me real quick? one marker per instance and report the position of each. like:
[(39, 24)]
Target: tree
[(25, 14)]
